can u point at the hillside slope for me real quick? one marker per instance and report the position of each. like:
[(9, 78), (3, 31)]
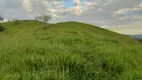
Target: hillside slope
[(30, 50)]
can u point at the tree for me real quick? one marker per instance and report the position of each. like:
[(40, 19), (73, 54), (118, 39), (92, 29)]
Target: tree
[(1, 19), (43, 18)]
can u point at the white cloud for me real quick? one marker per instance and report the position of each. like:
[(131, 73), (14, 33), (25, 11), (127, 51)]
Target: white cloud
[(76, 2), (55, 3), (27, 5), (121, 11), (77, 10), (87, 4)]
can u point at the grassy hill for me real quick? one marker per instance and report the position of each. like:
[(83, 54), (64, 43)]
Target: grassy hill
[(31, 50)]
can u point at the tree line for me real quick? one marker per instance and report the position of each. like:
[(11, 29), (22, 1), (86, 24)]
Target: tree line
[(42, 18)]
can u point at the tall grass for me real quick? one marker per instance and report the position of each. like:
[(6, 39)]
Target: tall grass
[(31, 50)]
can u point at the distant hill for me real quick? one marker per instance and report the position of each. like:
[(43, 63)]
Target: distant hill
[(31, 50), (137, 37)]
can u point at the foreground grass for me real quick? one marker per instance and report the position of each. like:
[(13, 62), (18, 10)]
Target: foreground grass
[(31, 50)]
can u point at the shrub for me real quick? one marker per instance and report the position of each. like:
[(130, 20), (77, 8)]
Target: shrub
[(1, 28), (140, 40)]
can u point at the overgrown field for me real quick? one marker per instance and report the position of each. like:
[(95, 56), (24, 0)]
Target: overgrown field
[(30, 50)]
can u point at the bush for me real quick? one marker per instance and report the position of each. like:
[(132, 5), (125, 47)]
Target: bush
[(1, 28), (140, 40)]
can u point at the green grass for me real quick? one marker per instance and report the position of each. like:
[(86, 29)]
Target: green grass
[(31, 50)]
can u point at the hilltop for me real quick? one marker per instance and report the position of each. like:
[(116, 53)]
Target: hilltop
[(31, 50)]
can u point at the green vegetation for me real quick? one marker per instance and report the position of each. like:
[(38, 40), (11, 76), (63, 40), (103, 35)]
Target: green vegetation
[(31, 50), (1, 28), (140, 40)]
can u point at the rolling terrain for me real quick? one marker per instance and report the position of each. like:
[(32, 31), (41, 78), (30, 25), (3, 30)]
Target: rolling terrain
[(31, 50)]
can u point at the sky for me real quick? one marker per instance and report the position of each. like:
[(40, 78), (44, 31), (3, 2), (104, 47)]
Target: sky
[(122, 16)]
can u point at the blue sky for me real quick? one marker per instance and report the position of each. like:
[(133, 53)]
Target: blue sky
[(123, 16), (69, 3)]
